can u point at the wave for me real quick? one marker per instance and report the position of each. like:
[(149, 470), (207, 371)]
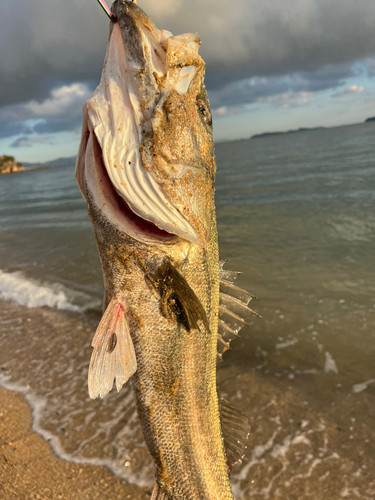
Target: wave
[(38, 404), (15, 286)]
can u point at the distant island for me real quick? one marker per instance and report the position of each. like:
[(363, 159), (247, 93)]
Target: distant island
[(268, 134), (8, 165), (370, 119)]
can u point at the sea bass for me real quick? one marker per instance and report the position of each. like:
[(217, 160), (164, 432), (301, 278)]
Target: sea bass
[(146, 169)]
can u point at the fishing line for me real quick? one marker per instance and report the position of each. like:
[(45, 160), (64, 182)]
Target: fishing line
[(106, 9)]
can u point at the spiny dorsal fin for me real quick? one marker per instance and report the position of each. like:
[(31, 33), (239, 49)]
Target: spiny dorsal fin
[(113, 357), (236, 430), (233, 309), (158, 493), (227, 275)]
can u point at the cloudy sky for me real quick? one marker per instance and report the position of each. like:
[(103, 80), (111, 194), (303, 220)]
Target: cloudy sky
[(271, 65)]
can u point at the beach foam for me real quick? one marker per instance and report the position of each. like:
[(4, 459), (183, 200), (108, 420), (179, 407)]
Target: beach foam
[(30, 293), (330, 364), (362, 387)]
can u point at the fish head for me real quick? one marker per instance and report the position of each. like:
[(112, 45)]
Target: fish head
[(147, 151)]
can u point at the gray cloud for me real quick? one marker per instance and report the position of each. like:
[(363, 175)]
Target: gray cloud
[(60, 111), (21, 142), (63, 124), (12, 129), (27, 142), (264, 89), (42, 42), (370, 66)]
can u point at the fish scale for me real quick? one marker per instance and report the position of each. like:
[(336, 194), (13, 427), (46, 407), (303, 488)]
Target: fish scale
[(175, 381), (157, 242)]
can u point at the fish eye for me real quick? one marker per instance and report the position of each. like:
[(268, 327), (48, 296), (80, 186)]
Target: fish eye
[(204, 111)]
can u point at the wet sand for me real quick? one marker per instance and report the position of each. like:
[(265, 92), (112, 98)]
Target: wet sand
[(30, 470)]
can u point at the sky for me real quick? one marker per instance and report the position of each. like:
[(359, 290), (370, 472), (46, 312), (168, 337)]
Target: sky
[(271, 65)]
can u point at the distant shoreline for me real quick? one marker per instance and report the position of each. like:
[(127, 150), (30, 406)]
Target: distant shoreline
[(270, 134), (294, 131), (25, 169), (40, 167), (70, 161)]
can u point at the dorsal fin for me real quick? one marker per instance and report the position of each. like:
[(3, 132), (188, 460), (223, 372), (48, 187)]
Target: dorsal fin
[(227, 275), (236, 430), (233, 309)]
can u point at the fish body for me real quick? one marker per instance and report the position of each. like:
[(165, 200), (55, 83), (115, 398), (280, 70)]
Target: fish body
[(146, 169)]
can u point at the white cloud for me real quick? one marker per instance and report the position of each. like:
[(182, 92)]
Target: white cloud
[(352, 89), (281, 100), (287, 100), (62, 99), (355, 89), (222, 111), (226, 111), (60, 110)]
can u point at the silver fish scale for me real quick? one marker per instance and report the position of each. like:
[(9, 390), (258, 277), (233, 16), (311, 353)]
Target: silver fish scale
[(176, 404)]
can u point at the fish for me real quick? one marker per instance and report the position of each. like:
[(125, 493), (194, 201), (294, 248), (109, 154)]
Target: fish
[(146, 169)]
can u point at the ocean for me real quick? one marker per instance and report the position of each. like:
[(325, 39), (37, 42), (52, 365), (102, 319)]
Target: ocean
[(296, 216)]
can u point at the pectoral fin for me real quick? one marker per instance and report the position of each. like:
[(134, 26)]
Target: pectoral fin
[(178, 299), (113, 357)]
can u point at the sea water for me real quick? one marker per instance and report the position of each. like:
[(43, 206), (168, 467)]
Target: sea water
[(296, 217)]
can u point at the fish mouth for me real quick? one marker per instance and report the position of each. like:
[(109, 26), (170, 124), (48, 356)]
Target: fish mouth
[(118, 117), (102, 193)]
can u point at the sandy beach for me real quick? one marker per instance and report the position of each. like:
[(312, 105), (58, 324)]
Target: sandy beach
[(30, 469)]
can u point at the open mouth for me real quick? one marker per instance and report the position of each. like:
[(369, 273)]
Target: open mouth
[(112, 205), (117, 118)]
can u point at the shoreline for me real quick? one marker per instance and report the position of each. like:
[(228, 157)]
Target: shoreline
[(30, 469), (309, 432), (44, 407), (26, 169)]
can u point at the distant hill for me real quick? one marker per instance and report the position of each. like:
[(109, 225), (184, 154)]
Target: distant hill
[(268, 134), (60, 162), (370, 119)]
